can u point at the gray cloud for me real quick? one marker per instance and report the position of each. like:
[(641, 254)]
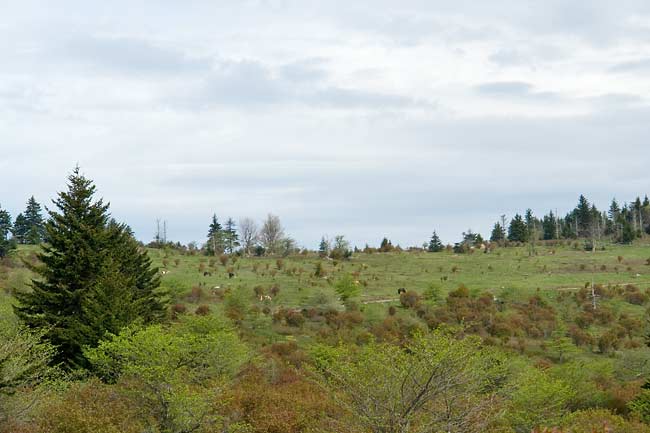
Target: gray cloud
[(252, 84), (305, 70), (640, 66), (364, 118), (514, 89), (131, 56), (507, 57), (507, 88)]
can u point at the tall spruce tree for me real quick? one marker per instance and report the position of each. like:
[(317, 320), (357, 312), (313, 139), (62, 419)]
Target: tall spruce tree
[(6, 242), (20, 229), (34, 222), (569, 226), (614, 210), (498, 233), (216, 242), (93, 278), (435, 245), (231, 238), (627, 233), (549, 226), (518, 231), (584, 216), (324, 247)]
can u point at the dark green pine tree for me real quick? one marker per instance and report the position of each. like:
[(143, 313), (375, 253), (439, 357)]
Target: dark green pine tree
[(92, 278), (127, 289), (614, 210), (568, 226), (231, 239), (20, 229), (435, 245), (323, 247), (627, 233), (216, 242), (518, 231), (584, 215), (34, 222), (549, 226), (6, 242), (498, 233)]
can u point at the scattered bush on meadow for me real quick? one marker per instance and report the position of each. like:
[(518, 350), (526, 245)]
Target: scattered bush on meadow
[(259, 291), (202, 310), (283, 403), (634, 296), (196, 294), (409, 299), (294, 318), (178, 308), (90, 407)]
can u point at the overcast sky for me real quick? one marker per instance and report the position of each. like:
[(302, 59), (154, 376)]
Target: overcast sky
[(363, 118)]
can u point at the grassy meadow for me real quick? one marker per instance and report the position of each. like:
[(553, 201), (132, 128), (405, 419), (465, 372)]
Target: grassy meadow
[(534, 308), (510, 273)]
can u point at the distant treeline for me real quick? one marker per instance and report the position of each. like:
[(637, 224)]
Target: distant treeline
[(28, 228), (620, 224)]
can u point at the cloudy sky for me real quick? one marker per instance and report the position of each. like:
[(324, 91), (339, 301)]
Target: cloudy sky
[(365, 118)]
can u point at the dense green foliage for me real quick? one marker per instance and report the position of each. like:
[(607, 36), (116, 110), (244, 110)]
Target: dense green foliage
[(29, 227), (520, 334), (6, 243), (174, 373), (93, 278), (435, 245)]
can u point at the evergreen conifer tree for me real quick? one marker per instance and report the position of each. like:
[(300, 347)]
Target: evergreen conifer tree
[(323, 247), (584, 215), (20, 229), (569, 226), (498, 233), (627, 233), (93, 278), (435, 245), (216, 242), (549, 226), (231, 238), (34, 222), (385, 246), (6, 242), (614, 210), (517, 232)]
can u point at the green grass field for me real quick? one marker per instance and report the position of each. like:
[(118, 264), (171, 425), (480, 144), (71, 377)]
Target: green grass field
[(381, 274), (505, 272)]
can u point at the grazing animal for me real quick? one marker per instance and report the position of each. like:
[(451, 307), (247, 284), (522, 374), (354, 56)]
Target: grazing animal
[(231, 275), (207, 274), (164, 272), (401, 290), (267, 298)]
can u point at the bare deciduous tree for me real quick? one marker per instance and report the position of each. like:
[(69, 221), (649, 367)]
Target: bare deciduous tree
[(271, 234), (248, 233)]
